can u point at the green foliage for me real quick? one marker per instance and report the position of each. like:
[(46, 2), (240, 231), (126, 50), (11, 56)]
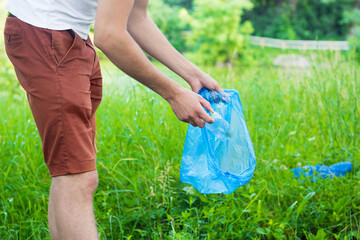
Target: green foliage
[(296, 19), (180, 3), (294, 116), (169, 22), (216, 33), (352, 18)]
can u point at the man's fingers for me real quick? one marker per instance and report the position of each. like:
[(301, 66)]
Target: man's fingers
[(205, 117), (206, 104), (193, 123), (218, 88), (199, 122)]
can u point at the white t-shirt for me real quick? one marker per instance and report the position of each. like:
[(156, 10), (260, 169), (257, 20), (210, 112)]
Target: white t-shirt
[(56, 14)]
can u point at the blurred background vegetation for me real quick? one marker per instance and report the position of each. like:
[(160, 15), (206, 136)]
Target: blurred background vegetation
[(215, 32)]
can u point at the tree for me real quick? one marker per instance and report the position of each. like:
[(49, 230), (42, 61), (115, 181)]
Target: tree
[(306, 19), (188, 4), (217, 34)]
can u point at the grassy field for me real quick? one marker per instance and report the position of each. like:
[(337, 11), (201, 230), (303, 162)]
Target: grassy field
[(295, 117)]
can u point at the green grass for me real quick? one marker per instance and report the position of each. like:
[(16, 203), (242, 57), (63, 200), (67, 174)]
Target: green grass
[(294, 116)]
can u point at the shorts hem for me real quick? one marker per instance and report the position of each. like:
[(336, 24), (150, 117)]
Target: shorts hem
[(72, 168)]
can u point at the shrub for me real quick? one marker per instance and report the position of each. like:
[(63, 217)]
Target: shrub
[(181, 3), (296, 19), (352, 18), (169, 22), (216, 32)]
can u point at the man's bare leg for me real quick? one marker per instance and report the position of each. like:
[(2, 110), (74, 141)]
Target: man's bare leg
[(71, 212), (51, 216)]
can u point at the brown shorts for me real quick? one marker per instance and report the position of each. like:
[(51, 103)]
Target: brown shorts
[(60, 73)]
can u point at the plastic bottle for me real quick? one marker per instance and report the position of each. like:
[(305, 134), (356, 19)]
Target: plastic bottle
[(220, 128)]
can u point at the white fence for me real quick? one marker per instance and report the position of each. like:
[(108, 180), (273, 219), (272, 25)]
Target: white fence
[(299, 44)]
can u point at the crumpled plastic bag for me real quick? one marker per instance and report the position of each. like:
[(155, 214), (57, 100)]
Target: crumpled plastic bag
[(220, 157), (322, 171)]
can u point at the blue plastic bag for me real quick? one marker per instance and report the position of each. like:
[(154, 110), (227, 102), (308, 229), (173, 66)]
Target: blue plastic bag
[(219, 157), (337, 169)]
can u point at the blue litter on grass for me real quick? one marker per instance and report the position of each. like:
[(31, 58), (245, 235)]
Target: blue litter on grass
[(323, 171), (219, 157)]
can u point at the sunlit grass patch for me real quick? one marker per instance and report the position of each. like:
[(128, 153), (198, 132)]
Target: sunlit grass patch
[(306, 116)]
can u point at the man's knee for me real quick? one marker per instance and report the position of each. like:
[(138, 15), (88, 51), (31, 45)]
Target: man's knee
[(83, 184), (91, 182)]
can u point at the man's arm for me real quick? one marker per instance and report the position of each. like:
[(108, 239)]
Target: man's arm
[(112, 37), (151, 39)]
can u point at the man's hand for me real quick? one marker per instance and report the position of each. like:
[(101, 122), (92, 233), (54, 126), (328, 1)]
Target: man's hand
[(187, 107), (204, 80)]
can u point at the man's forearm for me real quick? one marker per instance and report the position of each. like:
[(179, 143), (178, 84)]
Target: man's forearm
[(112, 36), (151, 39), (123, 51)]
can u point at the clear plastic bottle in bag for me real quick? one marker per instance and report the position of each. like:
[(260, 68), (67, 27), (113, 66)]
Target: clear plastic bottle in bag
[(220, 127)]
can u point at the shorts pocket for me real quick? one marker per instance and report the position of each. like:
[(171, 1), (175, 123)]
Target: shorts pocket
[(13, 33), (13, 40), (62, 41)]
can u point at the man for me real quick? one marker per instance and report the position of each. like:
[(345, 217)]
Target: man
[(55, 62)]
